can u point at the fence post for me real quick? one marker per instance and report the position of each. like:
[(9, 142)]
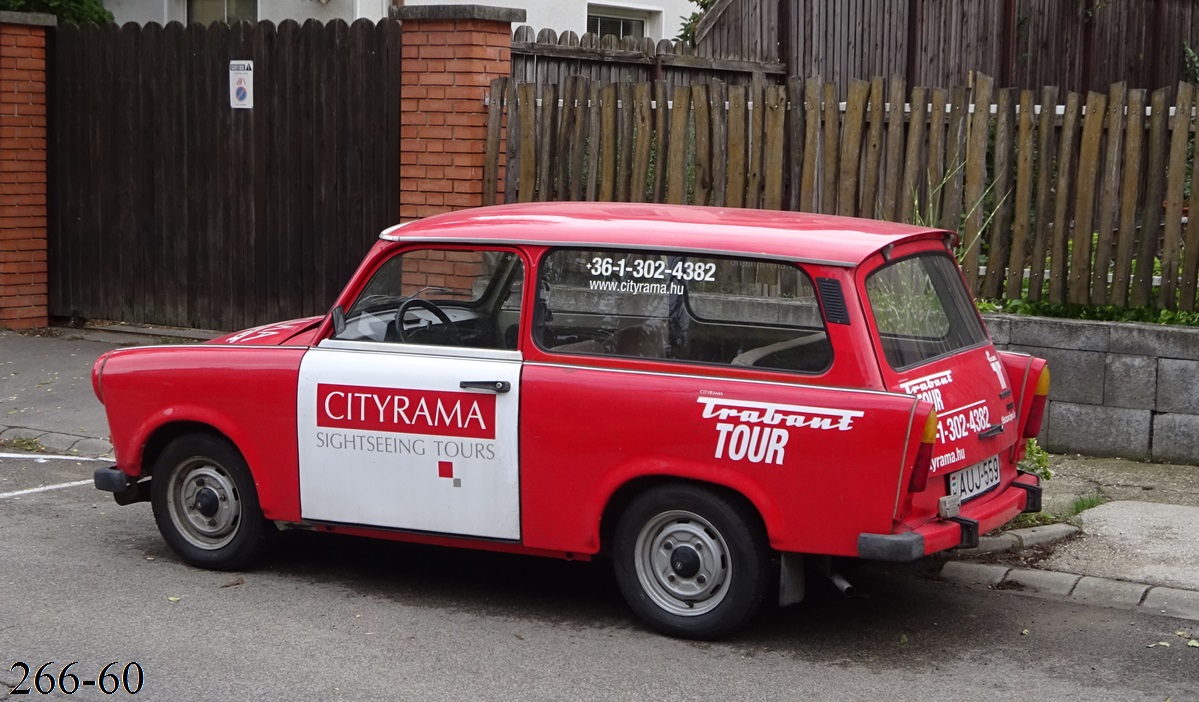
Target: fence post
[(450, 54), (23, 214)]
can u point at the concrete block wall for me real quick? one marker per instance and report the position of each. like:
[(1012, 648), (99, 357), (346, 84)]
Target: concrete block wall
[(1117, 389), (23, 215)]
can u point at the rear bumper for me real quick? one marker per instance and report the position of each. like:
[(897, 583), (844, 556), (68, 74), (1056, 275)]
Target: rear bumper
[(1024, 494), (125, 489)]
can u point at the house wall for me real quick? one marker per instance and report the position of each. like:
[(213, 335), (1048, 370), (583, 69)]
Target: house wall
[(163, 11), (664, 16), (1116, 389)]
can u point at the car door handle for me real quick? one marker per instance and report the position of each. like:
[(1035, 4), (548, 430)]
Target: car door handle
[(994, 430), (492, 385)]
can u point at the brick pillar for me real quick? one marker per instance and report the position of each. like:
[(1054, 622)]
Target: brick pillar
[(23, 288), (451, 53)]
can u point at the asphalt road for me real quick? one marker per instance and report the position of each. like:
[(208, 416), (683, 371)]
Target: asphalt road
[(335, 618)]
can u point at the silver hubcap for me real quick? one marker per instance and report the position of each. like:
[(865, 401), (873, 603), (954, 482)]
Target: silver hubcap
[(683, 563), (204, 503)]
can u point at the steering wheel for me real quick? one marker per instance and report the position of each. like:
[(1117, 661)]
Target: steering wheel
[(436, 311)]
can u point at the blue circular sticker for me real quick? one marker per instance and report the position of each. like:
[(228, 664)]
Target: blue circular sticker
[(241, 93)]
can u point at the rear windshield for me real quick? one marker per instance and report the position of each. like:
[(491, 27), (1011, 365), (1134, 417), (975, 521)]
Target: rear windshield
[(921, 310)]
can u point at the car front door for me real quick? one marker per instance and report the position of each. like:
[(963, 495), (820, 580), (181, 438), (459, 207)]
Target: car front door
[(408, 413)]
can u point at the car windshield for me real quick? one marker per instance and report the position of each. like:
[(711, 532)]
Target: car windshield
[(922, 310)]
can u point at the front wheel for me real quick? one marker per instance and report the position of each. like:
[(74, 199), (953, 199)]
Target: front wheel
[(206, 505), (691, 562)]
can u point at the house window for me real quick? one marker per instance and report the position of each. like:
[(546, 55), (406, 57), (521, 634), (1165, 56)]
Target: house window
[(208, 11), (604, 25)]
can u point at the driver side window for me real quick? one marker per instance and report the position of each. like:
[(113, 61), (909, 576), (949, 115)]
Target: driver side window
[(441, 296)]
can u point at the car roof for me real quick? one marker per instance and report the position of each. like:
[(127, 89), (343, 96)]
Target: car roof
[(798, 236)]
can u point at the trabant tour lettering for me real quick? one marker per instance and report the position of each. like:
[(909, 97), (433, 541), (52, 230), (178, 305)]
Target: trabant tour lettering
[(406, 411), (766, 444)]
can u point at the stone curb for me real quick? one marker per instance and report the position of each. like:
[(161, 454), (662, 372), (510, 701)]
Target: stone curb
[(1018, 540), (1105, 592), (62, 444)]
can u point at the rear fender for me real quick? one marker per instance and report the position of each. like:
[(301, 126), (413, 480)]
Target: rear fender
[(1023, 371)]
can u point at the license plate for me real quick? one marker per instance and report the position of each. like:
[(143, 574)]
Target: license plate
[(974, 480)]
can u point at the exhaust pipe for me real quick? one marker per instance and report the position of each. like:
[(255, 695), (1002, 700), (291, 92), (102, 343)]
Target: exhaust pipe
[(826, 567)]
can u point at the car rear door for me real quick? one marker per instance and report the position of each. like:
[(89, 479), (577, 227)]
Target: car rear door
[(931, 343)]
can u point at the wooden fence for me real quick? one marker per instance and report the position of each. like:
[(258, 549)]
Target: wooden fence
[(1078, 45), (547, 57), (1074, 201), (170, 207)]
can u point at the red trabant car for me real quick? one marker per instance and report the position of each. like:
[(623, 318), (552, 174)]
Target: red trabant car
[(704, 394)]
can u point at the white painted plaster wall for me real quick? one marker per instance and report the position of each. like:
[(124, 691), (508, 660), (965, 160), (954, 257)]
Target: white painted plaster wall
[(663, 17)]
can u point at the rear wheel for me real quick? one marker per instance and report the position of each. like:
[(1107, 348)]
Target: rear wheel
[(691, 562), (206, 505)]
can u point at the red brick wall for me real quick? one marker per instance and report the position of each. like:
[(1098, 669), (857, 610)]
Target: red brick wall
[(22, 176), (448, 65)]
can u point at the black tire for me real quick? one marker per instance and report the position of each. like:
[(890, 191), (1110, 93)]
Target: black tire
[(711, 589), (206, 505)]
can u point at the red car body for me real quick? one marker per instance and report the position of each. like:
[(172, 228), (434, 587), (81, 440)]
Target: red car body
[(848, 456)]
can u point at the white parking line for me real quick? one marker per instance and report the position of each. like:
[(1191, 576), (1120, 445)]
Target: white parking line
[(44, 488), (41, 457)]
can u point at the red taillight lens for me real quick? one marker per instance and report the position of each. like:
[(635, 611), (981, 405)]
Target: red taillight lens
[(924, 455), (1036, 411)]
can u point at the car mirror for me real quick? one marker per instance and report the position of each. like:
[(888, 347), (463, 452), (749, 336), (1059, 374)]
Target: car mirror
[(339, 320)]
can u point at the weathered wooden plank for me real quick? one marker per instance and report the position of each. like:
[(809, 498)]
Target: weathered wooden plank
[(794, 148), (643, 141), (774, 147), (547, 132), (1190, 246), (893, 166), (491, 154), (1045, 165), (810, 180), (578, 146), (998, 233), (976, 179), (661, 122), (720, 142), (1024, 180), (955, 162), (1134, 135), (527, 180), (1058, 265), (676, 173), (560, 157), (1079, 285), (851, 145), (874, 149), (832, 150), (1155, 188), (753, 163), (610, 137), (594, 136), (513, 133), (909, 194), (735, 188), (703, 144), (625, 140), (1109, 199), (1175, 178), (935, 180)]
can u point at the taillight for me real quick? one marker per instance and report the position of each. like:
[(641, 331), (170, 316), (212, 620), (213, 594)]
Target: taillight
[(924, 455), (1036, 411)]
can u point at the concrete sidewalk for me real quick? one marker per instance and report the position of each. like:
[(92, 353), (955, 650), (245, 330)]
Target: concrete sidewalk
[(1138, 549)]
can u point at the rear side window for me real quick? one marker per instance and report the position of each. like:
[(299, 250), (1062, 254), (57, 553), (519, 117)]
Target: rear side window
[(921, 310), (680, 307)]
